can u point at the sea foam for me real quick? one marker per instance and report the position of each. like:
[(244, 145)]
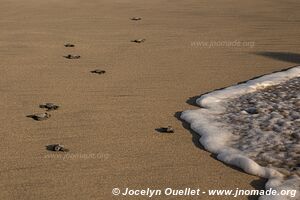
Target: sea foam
[(218, 137)]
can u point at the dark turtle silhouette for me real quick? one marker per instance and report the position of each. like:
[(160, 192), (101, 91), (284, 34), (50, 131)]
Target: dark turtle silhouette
[(167, 129), (138, 40), (56, 147), (40, 116), (49, 106), (136, 18), (69, 45), (72, 56), (98, 71)]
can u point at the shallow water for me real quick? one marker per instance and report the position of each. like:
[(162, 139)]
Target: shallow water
[(266, 125), (255, 126)]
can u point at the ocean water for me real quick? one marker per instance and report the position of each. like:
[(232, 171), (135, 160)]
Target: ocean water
[(255, 126)]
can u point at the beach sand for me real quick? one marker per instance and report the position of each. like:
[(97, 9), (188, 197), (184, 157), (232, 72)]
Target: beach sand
[(146, 86)]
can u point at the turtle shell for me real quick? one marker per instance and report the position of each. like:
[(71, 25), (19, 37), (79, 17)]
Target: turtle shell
[(57, 147)]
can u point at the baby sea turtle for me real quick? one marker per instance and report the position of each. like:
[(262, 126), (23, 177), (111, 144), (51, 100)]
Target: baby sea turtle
[(138, 40), (49, 106), (40, 116), (57, 147), (167, 129), (136, 18), (98, 71), (72, 56), (69, 45)]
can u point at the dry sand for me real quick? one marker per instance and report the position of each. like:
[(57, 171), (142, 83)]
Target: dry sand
[(114, 115)]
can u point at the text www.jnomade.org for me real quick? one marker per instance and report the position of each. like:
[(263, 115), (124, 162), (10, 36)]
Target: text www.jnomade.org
[(225, 44)]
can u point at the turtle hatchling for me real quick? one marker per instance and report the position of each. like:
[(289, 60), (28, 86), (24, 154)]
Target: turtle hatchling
[(136, 18), (138, 40), (57, 147), (40, 116), (49, 106), (98, 71), (69, 45), (72, 56), (168, 129)]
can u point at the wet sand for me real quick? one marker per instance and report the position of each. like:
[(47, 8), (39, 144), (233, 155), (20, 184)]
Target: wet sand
[(145, 86)]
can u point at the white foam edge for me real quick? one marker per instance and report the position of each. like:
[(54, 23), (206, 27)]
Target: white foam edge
[(216, 138)]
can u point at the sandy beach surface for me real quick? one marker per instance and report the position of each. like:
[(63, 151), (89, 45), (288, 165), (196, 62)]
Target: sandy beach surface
[(108, 121)]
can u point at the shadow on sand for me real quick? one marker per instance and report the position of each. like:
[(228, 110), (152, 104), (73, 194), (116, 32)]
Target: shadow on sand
[(282, 56), (195, 136)]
